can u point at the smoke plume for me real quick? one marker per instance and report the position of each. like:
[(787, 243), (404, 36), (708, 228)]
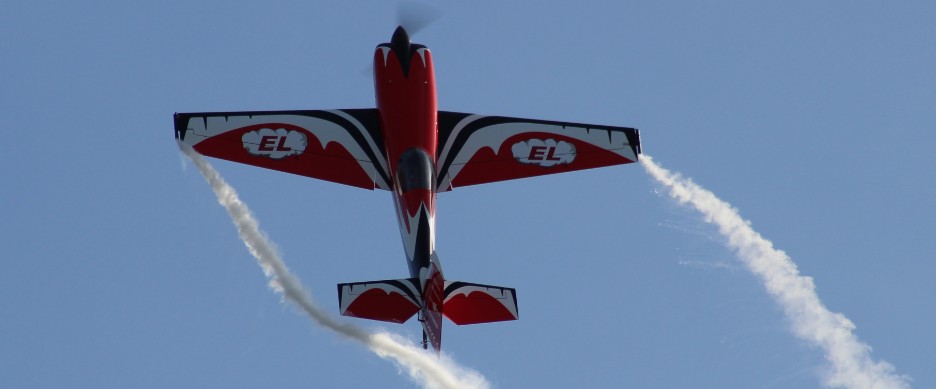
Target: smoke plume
[(850, 359), (425, 368)]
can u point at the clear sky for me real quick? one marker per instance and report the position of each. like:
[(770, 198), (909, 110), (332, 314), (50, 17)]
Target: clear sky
[(814, 119)]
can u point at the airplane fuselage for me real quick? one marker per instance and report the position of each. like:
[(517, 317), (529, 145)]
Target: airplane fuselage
[(404, 86)]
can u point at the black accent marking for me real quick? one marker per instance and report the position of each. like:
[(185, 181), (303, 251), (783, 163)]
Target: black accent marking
[(400, 44), (403, 49), (421, 254), (409, 292), (370, 120), (180, 123), (633, 138)]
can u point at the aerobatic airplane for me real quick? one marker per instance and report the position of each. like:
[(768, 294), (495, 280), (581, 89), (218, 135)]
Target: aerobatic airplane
[(408, 147)]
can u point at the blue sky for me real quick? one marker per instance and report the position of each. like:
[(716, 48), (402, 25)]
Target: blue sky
[(814, 119)]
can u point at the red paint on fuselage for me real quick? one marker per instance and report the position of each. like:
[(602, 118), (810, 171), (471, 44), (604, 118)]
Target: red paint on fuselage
[(407, 104), (406, 100), (408, 115)]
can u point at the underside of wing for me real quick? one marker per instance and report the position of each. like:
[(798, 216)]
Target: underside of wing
[(477, 149), (343, 146)]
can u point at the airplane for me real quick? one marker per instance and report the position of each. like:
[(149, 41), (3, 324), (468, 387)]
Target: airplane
[(408, 147)]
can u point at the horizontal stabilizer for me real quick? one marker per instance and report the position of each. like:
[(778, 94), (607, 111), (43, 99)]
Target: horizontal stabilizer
[(467, 303), (394, 301)]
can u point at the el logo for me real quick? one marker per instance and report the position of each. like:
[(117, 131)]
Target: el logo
[(543, 153), (274, 143)]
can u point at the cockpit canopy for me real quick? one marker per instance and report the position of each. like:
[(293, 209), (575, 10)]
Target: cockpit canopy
[(416, 170)]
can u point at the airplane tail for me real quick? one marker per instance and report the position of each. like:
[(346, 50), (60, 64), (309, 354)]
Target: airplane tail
[(396, 301)]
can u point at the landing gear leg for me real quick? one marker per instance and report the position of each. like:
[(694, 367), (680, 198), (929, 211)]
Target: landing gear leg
[(425, 341)]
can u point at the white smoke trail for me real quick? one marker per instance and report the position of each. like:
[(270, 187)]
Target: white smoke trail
[(850, 359), (423, 367)]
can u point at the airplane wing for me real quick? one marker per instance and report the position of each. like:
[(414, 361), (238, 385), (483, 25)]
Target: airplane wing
[(343, 146), (477, 149)]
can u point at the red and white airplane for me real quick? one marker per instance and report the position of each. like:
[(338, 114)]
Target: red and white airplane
[(410, 148)]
